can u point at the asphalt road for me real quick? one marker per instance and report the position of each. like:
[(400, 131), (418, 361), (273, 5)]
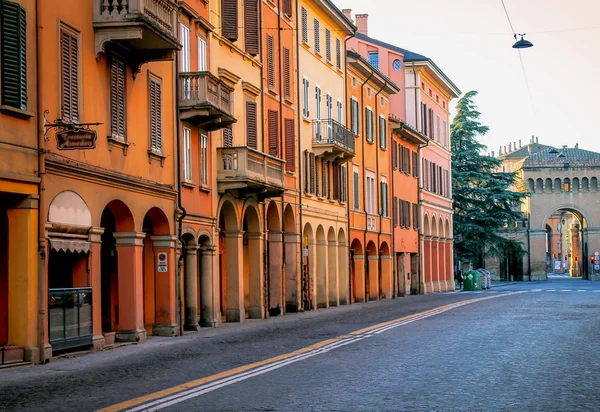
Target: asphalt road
[(523, 346)]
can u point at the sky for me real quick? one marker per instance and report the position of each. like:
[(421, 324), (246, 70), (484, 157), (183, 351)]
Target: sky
[(471, 41)]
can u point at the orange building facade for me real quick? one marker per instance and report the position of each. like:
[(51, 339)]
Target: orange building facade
[(371, 210)]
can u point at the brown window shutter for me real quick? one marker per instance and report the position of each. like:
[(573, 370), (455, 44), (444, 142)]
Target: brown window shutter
[(287, 7), (317, 36), (155, 115), (251, 31), (69, 44), (328, 45), (313, 172), (336, 182), (306, 173), (338, 53), (317, 179), (117, 98), (273, 119), (325, 173), (229, 19), (287, 80), (290, 146), (271, 61), (227, 137), (251, 132)]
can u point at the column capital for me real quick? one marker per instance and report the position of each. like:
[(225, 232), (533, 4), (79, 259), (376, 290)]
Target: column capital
[(191, 249), (95, 234), (30, 202), (254, 235), (332, 242), (130, 238), (164, 241), (234, 233)]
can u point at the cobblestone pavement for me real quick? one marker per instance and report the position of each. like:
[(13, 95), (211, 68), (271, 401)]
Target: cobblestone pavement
[(535, 350)]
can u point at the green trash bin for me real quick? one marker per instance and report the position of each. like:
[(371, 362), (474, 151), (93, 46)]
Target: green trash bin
[(472, 281)]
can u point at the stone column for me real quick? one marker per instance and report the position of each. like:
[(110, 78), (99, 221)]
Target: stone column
[(343, 292), (427, 265), (435, 264), (357, 294), (130, 247), (166, 295), (234, 277), (450, 265), (95, 282), (292, 285), (373, 262), (538, 255), (23, 292), (256, 273), (191, 288), (275, 260), (321, 275), (386, 275), (575, 248), (208, 301), (332, 273)]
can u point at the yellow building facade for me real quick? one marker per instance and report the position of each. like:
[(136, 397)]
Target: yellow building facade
[(325, 146)]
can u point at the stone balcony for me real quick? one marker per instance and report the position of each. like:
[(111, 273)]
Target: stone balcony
[(141, 30), (245, 171), (332, 140), (204, 101)]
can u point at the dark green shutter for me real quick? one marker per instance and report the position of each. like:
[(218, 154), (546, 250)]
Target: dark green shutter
[(14, 55)]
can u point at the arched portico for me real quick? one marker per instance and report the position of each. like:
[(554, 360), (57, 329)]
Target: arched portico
[(357, 282), (292, 243)]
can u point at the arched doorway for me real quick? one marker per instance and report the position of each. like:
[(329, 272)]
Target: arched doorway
[(343, 285), (3, 277), (321, 275), (385, 271), (253, 268), (435, 268), (357, 282), (332, 267), (372, 272), (206, 295), (426, 259), (190, 270), (230, 265), (308, 267), (566, 242), (275, 283), (292, 286)]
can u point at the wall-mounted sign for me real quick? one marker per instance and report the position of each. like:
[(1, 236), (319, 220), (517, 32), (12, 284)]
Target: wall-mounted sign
[(76, 139), (162, 266)]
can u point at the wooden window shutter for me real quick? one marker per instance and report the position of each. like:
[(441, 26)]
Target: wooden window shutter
[(69, 48), (273, 120), (155, 98), (306, 173), (270, 61), (287, 7), (251, 132), (229, 19), (287, 80), (338, 53), (317, 36), (252, 35), (290, 158), (324, 175), (344, 174), (304, 25), (317, 180), (356, 194), (328, 45), (395, 210), (227, 137), (313, 172), (13, 54), (117, 99), (336, 189)]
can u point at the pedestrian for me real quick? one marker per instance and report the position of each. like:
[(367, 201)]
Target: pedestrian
[(460, 278)]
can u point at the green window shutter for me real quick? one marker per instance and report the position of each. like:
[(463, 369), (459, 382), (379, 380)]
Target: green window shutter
[(14, 55)]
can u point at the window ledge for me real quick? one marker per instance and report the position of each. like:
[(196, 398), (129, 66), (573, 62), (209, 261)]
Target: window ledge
[(318, 53), (288, 100), (306, 119), (290, 173), (288, 17), (339, 69), (188, 183), (306, 45), (329, 63), (13, 111), (272, 91), (204, 188), (122, 143), (156, 156)]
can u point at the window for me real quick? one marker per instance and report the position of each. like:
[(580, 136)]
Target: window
[(416, 216), (317, 36), (329, 103), (187, 154), (344, 183), (229, 19), (287, 7), (384, 198), (271, 61), (415, 164), (251, 31), (318, 102), (290, 159), (155, 98), (424, 119), (305, 109), (445, 134), (431, 125), (304, 25), (355, 189), (273, 132), (13, 55), (374, 59), (340, 113), (370, 206), (354, 116), (438, 125), (227, 137), (204, 159), (369, 124), (287, 80), (313, 173), (324, 178), (117, 99), (395, 211), (185, 48), (201, 54), (69, 73), (382, 132), (394, 150), (251, 139), (338, 54), (328, 45)]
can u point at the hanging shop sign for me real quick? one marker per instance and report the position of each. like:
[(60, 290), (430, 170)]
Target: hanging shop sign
[(76, 139)]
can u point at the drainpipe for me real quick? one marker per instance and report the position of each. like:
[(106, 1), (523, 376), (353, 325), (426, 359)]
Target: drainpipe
[(365, 256), (299, 157), (42, 290), (419, 197), (377, 145), (180, 265), (348, 173), (281, 140)]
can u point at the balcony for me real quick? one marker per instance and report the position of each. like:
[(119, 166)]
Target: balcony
[(204, 101), (332, 140), (248, 171), (142, 30)]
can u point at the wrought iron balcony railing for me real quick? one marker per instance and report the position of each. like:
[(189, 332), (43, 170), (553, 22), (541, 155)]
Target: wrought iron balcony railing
[(332, 138)]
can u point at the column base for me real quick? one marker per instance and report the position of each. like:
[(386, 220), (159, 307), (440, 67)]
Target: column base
[(209, 323), (165, 330), (255, 312), (192, 327), (99, 342), (138, 335), (234, 315)]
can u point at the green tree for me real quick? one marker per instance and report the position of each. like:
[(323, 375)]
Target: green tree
[(483, 203)]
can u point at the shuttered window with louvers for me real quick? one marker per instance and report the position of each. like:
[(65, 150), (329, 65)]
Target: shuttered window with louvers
[(273, 120), (227, 137), (355, 190), (338, 54), (287, 7), (306, 173), (344, 183), (313, 173), (13, 55), (317, 36), (395, 210), (271, 61), (336, 182), (287, 80), (117, 99), (155, 90), (290, 146), (251, 32), (229, 19), (304, 25), (328, 44), (324, 177), (69, 67), (251, 132)]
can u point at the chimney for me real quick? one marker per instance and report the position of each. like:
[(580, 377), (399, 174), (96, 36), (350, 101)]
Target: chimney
[(514, 145), (493, 154), (505, 150), (532, 139), (348, 14), (519, 143), (576, 145), (362, 22), (509, 146), (500, 151), (537, 139)]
